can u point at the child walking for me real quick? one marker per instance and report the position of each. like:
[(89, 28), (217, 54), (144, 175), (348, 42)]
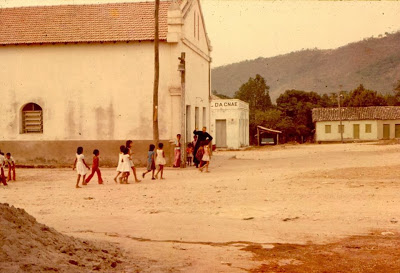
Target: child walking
[(129, 146), (125, 167), (160, 160), (2, 176), (189, 153), (80, 165), (11, 166), (95, 168), (200, 153), (119, 166), (151, 165), (206, 157), (177, 150)]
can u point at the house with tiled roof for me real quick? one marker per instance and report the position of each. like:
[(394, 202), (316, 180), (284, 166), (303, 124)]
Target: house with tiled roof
[(356, 123), (82, 75)]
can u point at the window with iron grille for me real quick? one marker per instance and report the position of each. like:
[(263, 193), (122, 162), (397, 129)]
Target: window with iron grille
[(32, 119)]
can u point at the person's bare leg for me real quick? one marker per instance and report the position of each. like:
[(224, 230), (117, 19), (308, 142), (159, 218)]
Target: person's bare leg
[(152, 175), (115, 178), (162, 171), (77, 181), (83, 180), (208, 162), (158, 171), (134, 174)]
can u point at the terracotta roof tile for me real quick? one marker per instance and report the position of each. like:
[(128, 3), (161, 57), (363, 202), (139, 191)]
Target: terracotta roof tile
[(82, 23), (357, 113)]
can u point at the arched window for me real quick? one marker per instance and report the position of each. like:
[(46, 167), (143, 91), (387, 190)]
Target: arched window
[(32, 118)]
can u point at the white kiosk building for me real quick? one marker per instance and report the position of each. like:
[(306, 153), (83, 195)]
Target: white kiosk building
[(229, 121)]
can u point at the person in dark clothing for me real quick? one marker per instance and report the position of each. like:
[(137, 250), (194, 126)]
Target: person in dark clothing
[(201, 136)]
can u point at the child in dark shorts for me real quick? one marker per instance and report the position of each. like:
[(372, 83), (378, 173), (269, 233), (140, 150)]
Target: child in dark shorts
[(151, 165)]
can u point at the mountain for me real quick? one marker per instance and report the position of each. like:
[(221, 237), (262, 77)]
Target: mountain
[(374, 62)]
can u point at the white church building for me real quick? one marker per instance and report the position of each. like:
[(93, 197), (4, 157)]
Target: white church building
[(82, 75)]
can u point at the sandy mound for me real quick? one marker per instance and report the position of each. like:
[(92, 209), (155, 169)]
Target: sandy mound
[(28, 246)]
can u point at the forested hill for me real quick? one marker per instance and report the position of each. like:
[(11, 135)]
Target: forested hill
[(373, 62)]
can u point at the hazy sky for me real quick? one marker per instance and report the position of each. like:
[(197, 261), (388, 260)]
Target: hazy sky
[(241, 30)]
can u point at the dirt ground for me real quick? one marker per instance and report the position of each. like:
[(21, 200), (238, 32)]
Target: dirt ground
[(301, 208)]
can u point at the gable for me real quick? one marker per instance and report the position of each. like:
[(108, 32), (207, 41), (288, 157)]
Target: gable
[(194, 27)]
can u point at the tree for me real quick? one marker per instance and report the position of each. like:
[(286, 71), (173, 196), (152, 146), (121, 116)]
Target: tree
[(296, 107), (156, 74), (361, 97), (256, 92), (221, 96)]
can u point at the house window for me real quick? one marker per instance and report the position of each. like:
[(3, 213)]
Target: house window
[(194, 25), (198, 27), (327, 129), (368, 128), (204, 117), (340, 128), (32, 118), (196, 117)]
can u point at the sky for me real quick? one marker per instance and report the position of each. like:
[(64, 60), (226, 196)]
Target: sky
[(244, 30)]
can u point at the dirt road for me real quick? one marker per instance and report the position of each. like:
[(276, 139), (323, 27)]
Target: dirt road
[(235, 217)]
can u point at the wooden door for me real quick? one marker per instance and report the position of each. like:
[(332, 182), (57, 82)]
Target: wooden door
[(356, 131), (397, 131), (386, 131), (221, 133)]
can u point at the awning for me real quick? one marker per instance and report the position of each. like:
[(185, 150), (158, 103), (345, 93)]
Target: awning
[(268, 130)]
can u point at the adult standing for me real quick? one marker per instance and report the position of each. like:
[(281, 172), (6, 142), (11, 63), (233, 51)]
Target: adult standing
[(201, 136)]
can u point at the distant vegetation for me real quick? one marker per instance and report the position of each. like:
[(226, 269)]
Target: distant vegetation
[(373, 62), (292, 112)]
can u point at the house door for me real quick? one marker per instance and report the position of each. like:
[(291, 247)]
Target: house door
[(386, 131), (356, 131), (397, 131), (221, 132)]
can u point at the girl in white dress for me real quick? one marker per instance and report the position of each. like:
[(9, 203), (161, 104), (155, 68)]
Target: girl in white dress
[(206, 157), (80, 165), (125, 167), (121, 153), (160, 160)]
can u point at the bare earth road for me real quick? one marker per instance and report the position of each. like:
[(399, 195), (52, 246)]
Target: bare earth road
[(304, 208)]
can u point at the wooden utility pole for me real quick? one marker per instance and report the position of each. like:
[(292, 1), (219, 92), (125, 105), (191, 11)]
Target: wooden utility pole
[(182, 69), (156, 75)]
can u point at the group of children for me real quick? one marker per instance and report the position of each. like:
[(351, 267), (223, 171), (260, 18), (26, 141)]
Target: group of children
[(9, 161), (155, 161), (125, 164), (203, 154)]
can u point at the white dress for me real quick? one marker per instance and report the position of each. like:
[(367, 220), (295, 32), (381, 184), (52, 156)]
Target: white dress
[(2, 161), (125, 164), (160, 160), (206, 155), (130, 158), (119, 167), (80, 167)]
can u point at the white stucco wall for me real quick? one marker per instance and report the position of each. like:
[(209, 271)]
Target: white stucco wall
[(235, 112), (376, 130), (87, 91), (392, 124)]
